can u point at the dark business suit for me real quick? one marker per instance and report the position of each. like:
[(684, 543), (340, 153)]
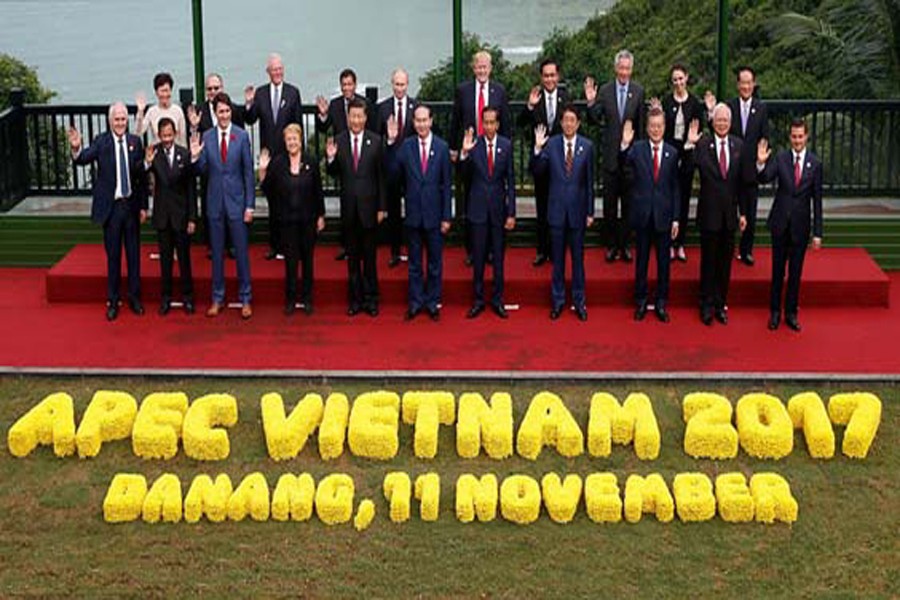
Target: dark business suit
[(492, 199), (271, 137), (386, 109), (531, 119), (654, 206), (208, 121), (174, 205), (757, 128), (571, 202), (789, 222), (692, 109), (303, 202), (336, 118), (427, 206), (363, 196), (718, 206), (120, 217)]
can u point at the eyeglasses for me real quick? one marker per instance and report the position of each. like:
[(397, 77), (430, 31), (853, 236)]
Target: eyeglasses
[(212, 88)]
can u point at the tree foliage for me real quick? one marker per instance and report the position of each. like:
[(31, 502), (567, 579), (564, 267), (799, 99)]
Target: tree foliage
[(16, 74)]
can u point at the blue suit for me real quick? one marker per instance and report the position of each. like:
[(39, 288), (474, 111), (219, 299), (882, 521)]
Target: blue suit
[(427, 205), (492, 199), (570, 202), (120, 218), (230, 191), (654, 206)]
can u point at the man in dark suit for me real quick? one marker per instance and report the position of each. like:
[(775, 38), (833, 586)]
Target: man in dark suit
[(651, 168), (275, 105), (718, 158), (492, 204), (174, 211), (119, 202), (799, 175), (543, 108), (224, 156), (616, 102), (470, 99), (567, 160), (355, 157), (399, 107), (423, 163)]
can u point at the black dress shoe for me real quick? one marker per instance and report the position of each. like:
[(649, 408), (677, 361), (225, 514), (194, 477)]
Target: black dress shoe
[(410, 314), (289, 308), (722, 316), (500, 311), (640, 312), (539, 260), (555, 312), (394, 261), (611, 255), (112, 311), (136, 307), (626, 255), (706, 316), (352, 310), (581, 312), (372, 310), (342, 255), (661, 313), (774, 320), (308, 308), (747, 259), (271, 254), (792, 322), (164, 307), (434, 314), (476, 310), (189, 307)]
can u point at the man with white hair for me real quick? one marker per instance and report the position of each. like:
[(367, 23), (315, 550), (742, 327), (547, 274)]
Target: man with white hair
[(616, 102), (720, 211), (119, 202), (275, 105)]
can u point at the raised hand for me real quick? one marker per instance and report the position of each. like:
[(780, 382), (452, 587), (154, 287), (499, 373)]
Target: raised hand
[(141, 100), (330, 148), (322, 104), (74, 139), (469, 141), (540, 136), (590, 90), (264, 159), (193, 116), (150, 153), (445, 227), (694, 132), (627, 133), (196, 146), (249, 94), (534, 97), (674, 230), (655, 103), (710, 100), (763, 152), (393, 129)]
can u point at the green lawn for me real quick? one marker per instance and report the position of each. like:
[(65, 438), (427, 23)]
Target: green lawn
[(53, 540)]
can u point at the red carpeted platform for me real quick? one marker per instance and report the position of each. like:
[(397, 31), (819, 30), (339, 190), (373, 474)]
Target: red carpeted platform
[(835, 341), (831, 277)]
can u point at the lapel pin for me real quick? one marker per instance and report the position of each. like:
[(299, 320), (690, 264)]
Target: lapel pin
[(666, 154), (368, 142)]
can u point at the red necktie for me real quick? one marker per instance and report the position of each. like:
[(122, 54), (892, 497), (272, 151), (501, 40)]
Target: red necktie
[(399, 119), (490, 159), (723, 161), (655, 163), (480, 108), (570, 159), (424, 158), (355, 152), (798, 171), (224, 149)]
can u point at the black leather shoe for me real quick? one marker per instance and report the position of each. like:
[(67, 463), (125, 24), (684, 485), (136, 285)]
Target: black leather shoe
[(410, 314), (611, 255), (555, 312), (581, 312), (792, 322), (394, 261), (112, 311), (136, 307), (308, 308), (774, 320), (539, 260), (747, 259), (271, 254), (468, 260), (372, 310), (500, 311), (352, 310), (189, 307), (626, 255), (342, 255), (476, 310), (164, 307), (661, 313), (434, 314), (706, 316), (722, 316), (640, 312), (289, 308)]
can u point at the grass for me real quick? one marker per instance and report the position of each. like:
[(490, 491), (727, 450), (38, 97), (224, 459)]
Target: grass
[(54, 540)]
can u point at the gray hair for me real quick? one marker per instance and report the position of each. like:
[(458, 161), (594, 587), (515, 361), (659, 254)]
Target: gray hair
[(217, 76), (113, 107), (721, 106), (397, 71), (623, 55), (273, 57)]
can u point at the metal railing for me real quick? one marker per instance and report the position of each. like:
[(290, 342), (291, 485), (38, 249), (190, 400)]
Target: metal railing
[(857, 140)]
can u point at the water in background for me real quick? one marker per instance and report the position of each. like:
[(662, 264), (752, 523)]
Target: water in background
[(94, 51)]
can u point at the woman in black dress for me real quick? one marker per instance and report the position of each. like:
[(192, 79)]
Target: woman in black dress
[(296, 185)]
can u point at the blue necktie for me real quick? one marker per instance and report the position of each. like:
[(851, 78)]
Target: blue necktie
[(621, 104), (123, 169)]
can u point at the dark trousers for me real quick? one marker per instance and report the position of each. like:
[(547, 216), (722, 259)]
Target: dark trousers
[(395, 217), (615, 226), (123, 225), (217, 239), (462, 211), (486, 235), (786, 253), (662, 240), (275, 225), (172, 240), (362, 272), (298, 242), (560, 237), (716, 250), (425, 291), (685, 187), (750, 195), (541, 201)]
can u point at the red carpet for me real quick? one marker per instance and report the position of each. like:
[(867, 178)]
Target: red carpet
[(831, 277), (846, 340)]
